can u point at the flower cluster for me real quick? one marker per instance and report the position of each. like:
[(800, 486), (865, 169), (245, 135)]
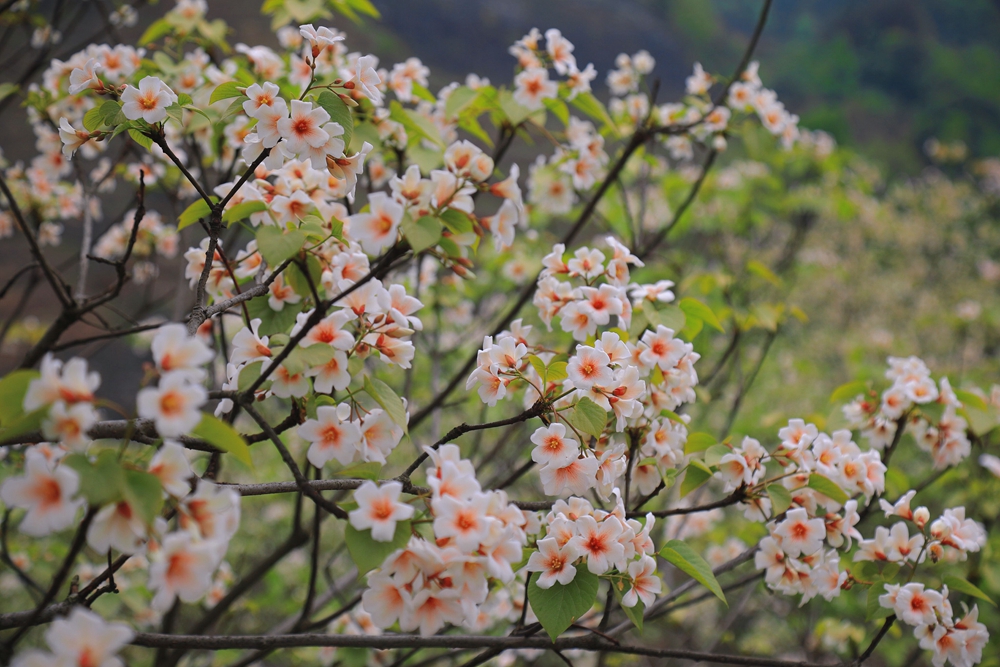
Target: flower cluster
[(175, 403), (943, 434), (477, 538), (532, 85), (958, 641), (795, 554), (606, 542)]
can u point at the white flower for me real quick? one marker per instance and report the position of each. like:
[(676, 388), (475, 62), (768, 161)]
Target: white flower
[(149, 101), (332, 436), (183, 569), (84, 639), (173, 405), (367, 79), (304, 127), (171, 467), (554, 563), (47, 494), (532, 86), (175, 351), (553, 447), (82, 78), (645, 584), (72, 138), (379, 509), (376, 229)]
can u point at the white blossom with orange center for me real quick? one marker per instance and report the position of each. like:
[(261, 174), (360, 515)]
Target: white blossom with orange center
[(379, 509)]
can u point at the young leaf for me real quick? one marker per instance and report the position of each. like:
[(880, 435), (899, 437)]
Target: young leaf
[(847, 392), (242, 210), (276, 246), (688, 561), (13, 387), (220, 434), (339, 113), (874, 610), (24, 423), (140, 138), (559, 606), (144, 494), (366, 470), (102, 481), (556, 372), (761, 271), (197, 210), (422, 234), (965, 586), (367, 553), (458, 100), (827, 487), (970, 400), (588, 417), (698, 442), (781, 498), (696, 309), (715, 453), (387, 398), (696, 474), (226, 90)]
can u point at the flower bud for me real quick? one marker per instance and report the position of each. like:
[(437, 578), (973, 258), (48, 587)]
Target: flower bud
[(921, 516)]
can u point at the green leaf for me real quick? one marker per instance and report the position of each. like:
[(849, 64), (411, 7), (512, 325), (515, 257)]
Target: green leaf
[(673, 416), (873, 610), (847, 392), (157, 29), (196, 211), (140, 138), (696, 309), (688, 561), (92, 120), (761, 271), (144, 494), (423, 94), (242, 210), (458, 100), (588, 417), (515, 112), (297, 279), (671, 317), (387, 398), (422, 234), (715, 453), (558, 109), (220, 434), (339, 113), (556, 372), (698, 442), (457, 221), (249, 375), (696, 474), (276, 246), (538, 365), (366, 470), (965, 586), (8, 89), (634, 614), (827, 487), (101, 481), (781, 498), (226, 90), (13, 388), (24, 423), (590, 105), (970, 400), (367, 553), (559, 606)]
